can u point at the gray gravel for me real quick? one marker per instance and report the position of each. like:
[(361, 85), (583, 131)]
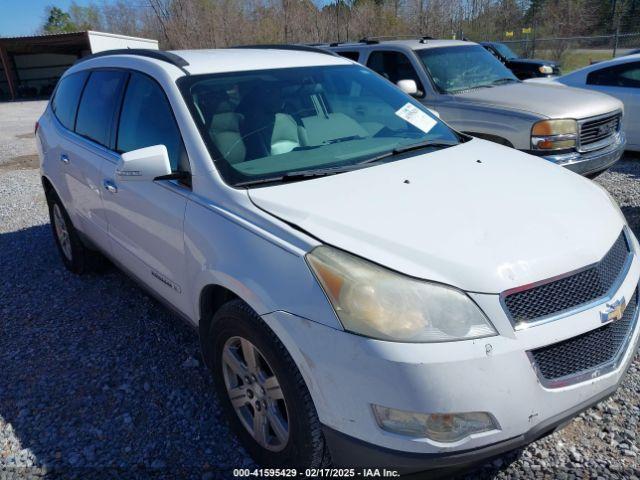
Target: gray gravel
[(98, 379)]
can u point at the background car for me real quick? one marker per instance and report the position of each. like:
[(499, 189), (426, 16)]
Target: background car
[(476, 94), (620, 78), (522, 68)]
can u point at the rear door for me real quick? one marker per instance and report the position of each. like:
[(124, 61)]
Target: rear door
[(67, 175), (146, 217)]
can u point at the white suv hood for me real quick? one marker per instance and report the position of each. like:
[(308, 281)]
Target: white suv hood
[(479, 216)]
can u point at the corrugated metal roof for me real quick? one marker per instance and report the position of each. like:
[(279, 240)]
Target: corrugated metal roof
[(45, 35)]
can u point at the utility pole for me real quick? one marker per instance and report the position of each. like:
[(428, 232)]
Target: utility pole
[(338, 19), (616, 26)]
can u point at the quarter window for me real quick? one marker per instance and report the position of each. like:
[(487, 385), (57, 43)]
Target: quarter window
[(100, 100), (65, 101), (349, 54), (393, 66), (147, 119)]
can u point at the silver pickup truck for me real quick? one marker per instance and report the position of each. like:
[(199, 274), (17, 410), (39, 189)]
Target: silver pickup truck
[(476, 94)]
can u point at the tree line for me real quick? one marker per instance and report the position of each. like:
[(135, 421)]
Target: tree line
[(179, 24)]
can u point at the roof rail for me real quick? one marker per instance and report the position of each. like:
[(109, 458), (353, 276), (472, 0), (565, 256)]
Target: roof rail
[(373, 40), (300, 48), (168, 57)]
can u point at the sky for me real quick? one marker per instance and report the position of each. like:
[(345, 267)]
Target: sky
[(24, 17)]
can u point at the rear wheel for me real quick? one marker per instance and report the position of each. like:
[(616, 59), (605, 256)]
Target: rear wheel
[(76, 257), (262, 392)]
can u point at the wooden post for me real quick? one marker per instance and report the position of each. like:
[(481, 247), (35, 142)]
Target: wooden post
[(9, 73)]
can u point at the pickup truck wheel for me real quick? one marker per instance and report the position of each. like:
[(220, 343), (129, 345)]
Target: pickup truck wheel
[(76, 257), (262, 392)]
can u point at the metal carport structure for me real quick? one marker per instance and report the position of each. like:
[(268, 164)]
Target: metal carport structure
[(31, 66)]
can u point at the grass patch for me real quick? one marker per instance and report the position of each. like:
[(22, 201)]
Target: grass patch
[(572, 60)]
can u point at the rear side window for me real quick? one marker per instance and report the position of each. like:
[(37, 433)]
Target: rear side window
[(626, 75), (65, 101), (99, 104), (147, 119), (350, 55), (393, 66)]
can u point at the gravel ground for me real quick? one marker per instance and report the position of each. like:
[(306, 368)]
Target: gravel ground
[(97, 379)]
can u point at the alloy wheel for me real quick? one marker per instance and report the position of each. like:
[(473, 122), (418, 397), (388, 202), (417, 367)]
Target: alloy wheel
[(62, 232), (255, 393)]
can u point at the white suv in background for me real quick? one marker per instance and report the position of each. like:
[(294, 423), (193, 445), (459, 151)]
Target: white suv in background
[(371, 288)]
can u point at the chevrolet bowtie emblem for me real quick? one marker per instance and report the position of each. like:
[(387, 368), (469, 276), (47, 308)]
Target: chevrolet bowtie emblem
[(613, 311)]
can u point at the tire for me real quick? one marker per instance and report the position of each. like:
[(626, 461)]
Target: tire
[(594, 175), (77, 258), (236, 326)]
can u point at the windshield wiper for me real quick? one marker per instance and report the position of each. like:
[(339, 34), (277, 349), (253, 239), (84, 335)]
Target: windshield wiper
[(409, 148), (309, 174), (502, 81), (298, 175), (343, 139)]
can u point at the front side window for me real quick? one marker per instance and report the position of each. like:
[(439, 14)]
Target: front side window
[(261, 125), (457, 69), (626, 75), (394, 66), (65, 101), (146, 120), (99, 104), (505, 51)]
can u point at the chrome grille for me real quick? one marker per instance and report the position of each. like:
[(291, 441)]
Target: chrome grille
[(557, 295), (585, 353), (596, 130)]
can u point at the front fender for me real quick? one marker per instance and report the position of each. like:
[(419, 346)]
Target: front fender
[(266, 272), (511, 125)]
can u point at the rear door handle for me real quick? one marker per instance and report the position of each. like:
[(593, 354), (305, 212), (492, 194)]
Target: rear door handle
[(109, 186), (64, 158)]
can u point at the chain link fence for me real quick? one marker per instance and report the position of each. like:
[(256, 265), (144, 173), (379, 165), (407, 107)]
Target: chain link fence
[(575, 52)]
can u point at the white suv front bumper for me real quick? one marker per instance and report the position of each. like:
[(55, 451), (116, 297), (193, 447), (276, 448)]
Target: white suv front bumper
[(348, 373)]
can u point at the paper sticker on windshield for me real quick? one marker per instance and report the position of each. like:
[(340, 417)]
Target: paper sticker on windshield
[(416, 117)]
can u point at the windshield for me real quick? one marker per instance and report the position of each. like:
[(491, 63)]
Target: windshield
[(456, 69), (269, 123), (505, 51)]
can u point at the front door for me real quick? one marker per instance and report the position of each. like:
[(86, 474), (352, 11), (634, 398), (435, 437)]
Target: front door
[(623, 82), (146, 217)]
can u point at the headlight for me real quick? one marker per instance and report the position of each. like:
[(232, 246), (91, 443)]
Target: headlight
[(379, 303), (554, 134), (546, 69)]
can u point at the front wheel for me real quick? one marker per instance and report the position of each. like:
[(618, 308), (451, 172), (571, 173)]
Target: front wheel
[(262, 392)]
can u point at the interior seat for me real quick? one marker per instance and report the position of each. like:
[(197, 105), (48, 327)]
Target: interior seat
[(286, 134), (224, 130)]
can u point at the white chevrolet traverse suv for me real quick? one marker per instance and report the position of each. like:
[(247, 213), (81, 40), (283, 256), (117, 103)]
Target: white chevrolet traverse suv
[(371, 288)]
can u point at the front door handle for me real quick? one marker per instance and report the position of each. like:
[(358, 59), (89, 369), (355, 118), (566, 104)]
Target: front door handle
[(64, 158), (109, 186)]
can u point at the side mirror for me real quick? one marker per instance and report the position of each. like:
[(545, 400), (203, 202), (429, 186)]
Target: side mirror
[(410, 87), (146, 163)]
